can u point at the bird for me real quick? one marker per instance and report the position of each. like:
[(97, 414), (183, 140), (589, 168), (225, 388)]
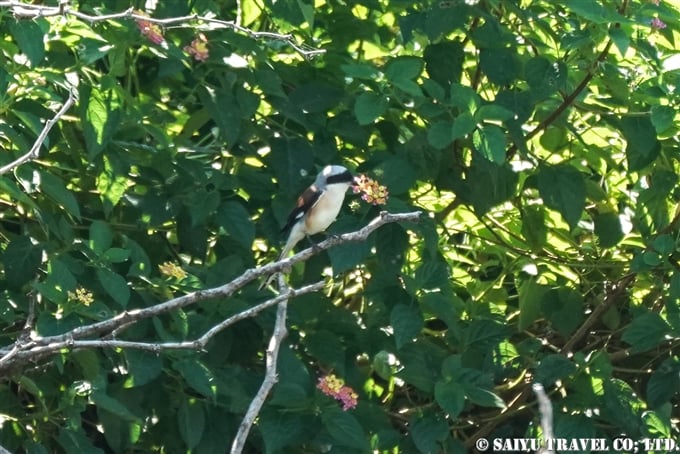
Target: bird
[(316, 209)]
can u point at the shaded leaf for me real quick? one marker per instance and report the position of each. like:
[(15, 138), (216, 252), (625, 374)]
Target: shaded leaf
[(115, 285), (407, 321), (646, 331), (450, 396), (369, 107), (21, 261), (344, 428), (191, 422), (563, 189)]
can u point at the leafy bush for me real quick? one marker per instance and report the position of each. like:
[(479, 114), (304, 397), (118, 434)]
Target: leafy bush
[(538, 138)]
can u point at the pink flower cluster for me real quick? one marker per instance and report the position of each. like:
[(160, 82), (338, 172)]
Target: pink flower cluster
[(372, 191), (154, 33), (334, 387), (198, 48), (656, 23)]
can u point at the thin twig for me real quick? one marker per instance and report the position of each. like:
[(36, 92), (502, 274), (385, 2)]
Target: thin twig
[(35, 149), (31, 11), (612, 296)]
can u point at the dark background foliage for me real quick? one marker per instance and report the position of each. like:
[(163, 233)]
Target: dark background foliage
[(540, 138)]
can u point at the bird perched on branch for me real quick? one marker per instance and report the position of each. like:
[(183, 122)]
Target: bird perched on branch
[(316, 208)]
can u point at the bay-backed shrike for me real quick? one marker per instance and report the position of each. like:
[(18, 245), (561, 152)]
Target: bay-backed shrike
[(316, 208)]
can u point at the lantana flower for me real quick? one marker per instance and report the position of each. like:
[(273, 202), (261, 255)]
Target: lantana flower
[(335, 387), (372, 191), (198, 48), (153, 32)]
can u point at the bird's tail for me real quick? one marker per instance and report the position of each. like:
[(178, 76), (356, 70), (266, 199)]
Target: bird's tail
[(290, 244)]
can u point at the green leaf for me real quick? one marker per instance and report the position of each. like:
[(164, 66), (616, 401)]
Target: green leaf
[(465, 98), (657, 426), (346, 256), (621, 38), (552, 368), (489, 141), (407, 321), (368, 107), (608, 229), (428, 432), (316, 96), (422, 364), (443, 18), (54, 188), (280, 429), (484, 334), (397, 174), (494, 184), (100, 115), (450, 396), (554, 138), (545, 77), (493, 112), (645, 332), (664, 383), (21, 261), (531, 294), (403, 68), (595, 12), (534, 228), (235, 220), (327, 348), (622, 406), (101, 237), (345, 429), (463, 125), (143, 367), (431, 274), (225, 111), (444, 62), (642, 145), (483, 397), (662, 117), (108, 403), (664, 244), (75, 440), (196, 375), (564, 308), (563, 189), (501, 66), (116, 255), (360, 70), (115, 285), (191, 422), (30, 37), (439, 134), (201, 204)]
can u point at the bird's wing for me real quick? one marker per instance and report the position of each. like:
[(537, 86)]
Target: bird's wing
[(304, 203)]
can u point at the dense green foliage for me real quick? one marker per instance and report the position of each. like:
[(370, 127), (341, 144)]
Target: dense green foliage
[(542, 137)]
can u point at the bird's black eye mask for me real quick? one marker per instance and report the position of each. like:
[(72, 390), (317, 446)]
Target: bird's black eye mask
[(344, 177)]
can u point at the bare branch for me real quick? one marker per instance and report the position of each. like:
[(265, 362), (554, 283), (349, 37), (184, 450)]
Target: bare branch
[(546, 411), (22, 352), (32, 11), (35, 149), (270, 378), (196, 344)]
